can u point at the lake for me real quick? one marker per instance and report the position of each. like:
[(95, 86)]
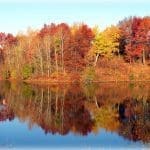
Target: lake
[(94, 116)]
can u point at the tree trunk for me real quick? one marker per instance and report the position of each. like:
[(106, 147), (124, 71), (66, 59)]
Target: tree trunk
[(143, 57), (75, 60), (49, 58), (41, 102), (95, 99), (41, 59), (48, 63), (41, 64), (62, 53), (62, 111), (56, 61), (56, 102), (96, 59), (49, 67)]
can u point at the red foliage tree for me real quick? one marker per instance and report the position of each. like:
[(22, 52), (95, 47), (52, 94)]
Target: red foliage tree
[(2, 42), (134, 39), (142, 37), (81, 44), (6, 40), (133, 48)]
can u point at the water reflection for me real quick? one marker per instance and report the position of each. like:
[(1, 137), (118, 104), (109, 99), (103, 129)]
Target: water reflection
[(80, 109)]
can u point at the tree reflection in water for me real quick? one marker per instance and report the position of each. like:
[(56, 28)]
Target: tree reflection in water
[(81, 109), (136, 121)]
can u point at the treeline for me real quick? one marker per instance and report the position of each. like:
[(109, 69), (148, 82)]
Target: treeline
[(60, 49)]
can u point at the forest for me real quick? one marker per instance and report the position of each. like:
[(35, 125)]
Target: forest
[(64, 53)]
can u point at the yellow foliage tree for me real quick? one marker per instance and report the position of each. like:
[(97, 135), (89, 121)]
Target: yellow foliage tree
[(105, 43)]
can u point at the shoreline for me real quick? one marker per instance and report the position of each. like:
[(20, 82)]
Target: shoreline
[(72, 82)]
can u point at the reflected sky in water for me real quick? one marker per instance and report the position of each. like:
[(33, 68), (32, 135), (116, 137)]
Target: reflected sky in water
[(21, 136), (74, 116)]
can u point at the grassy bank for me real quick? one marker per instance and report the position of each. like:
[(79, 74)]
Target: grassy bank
[(118, 70), (114, 70)]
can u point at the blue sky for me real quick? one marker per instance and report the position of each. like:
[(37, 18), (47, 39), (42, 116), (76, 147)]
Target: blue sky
[(18, 15)]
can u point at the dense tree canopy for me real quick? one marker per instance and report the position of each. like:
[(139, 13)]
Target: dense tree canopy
[(106, 43), (59, 49), (134, 38)]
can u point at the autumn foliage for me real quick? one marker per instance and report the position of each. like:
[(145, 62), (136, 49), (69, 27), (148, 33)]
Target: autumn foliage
[(60, 50)]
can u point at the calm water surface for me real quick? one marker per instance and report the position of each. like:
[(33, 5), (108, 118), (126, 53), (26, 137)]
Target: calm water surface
[(96, 116)]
